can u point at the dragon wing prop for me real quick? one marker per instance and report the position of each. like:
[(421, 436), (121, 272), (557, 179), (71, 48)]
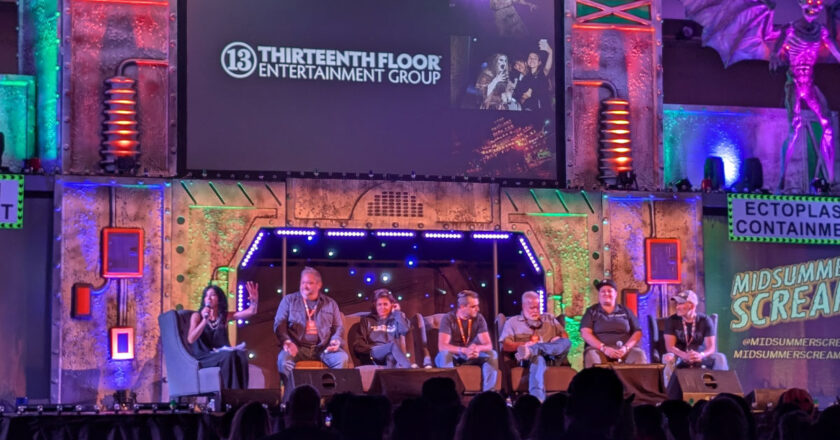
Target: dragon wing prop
[(737, 29)]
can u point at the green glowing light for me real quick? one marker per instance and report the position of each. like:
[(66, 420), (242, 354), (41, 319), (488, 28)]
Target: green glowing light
[(554, 214), (218, 207)]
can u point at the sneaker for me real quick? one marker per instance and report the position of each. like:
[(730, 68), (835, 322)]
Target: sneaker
[(523, 353), (415, 366)]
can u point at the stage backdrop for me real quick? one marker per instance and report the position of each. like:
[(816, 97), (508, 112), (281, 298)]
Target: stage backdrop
[(778, 300), (430, 87)]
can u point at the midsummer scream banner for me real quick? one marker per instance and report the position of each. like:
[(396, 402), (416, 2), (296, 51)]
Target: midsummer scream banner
[(779, 311)]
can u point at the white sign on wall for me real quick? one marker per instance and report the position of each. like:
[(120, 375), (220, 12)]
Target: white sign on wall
[(784, 219), (11, 201)]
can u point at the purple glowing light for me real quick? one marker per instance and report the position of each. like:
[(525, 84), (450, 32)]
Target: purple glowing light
[(254, 247), (295, 232), (347, 233), (530, 253), (444, 235), (396, 234), (491, 235)]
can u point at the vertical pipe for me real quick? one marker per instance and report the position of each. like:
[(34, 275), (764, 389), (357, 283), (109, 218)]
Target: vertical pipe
[(495, 280), (284, 263)]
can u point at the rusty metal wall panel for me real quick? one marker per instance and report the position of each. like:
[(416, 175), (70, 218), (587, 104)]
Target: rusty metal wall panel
[(97, 37), (628, 57), (386, 204), (85, 373), (212, 225)]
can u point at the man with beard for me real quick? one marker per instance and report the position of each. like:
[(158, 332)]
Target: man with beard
[(537, 339)]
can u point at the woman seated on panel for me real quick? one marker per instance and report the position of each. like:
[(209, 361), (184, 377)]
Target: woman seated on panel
[(208, 336), (380, 333)]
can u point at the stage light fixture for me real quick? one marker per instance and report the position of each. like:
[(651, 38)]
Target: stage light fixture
[(714, 176), (682, 185), (752, 176), (820, 186)]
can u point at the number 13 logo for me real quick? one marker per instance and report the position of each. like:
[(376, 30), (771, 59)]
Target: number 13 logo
[(239, 60)]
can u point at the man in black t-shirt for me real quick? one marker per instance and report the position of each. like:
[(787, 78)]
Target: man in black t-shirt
[(690, 338), (610, 330), (464, 339)]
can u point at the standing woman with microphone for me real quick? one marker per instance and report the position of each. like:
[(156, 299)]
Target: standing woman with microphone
[(208, 336)]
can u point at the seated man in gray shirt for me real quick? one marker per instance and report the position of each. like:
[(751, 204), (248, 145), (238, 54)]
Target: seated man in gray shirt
[(611, 331), (308, 327), (536, 339), (464, 339)]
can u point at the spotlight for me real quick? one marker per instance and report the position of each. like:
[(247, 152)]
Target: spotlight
[(714, 176), (626, 180), (752, 176), (682, 185), (820, 186)]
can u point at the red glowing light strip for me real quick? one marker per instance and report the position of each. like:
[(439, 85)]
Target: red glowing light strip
[(616, 121), (152, 63), (614, 27), (616, 112), (124, 132), (130, 2), (618, 11), (121, 101), (617, 141), (617, 101), (617, 131), (591, 83)]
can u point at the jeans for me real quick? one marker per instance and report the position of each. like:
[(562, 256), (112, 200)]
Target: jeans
[(538, 364), (286, 363), (390, 354), (488, 360)]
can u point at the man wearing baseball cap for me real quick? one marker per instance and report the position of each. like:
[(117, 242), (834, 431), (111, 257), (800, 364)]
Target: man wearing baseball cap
[(690, 338), (611, 331)]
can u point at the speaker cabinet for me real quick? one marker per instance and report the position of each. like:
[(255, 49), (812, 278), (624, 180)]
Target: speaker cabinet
[(693, 384), (764, 399), (400, 384), (330, 381)]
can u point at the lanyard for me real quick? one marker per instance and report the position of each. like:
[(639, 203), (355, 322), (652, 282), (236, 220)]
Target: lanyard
[(309, 314), (688, 336), (469, 330)]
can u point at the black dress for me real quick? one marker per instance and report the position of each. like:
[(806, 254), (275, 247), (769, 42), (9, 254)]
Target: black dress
[(233, 364)]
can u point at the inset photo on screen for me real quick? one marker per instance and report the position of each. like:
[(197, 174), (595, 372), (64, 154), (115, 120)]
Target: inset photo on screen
[(504, 18), (503, 74), (506, 144)]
